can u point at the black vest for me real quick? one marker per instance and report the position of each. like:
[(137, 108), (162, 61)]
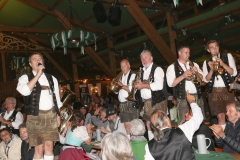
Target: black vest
[(179, 90), (32, 101), (173, 146), (160, 95), (227, 78), (11, 119), (137, 104)]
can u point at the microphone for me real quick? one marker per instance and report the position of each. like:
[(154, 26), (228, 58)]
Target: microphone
[(39, 64)]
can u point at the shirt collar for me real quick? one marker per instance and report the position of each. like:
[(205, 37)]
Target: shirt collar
[(127, 73), (182, 63), (149, 67), (10, 111)]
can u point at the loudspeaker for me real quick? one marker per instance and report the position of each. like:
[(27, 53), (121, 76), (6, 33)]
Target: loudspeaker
[(114, 16), (99, 12)]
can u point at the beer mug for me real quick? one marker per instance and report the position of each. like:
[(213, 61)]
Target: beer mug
[(201, 141)]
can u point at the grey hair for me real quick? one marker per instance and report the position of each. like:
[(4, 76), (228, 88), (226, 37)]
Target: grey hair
[(12, 99), (146, 51), (116, 146), (137, 127)]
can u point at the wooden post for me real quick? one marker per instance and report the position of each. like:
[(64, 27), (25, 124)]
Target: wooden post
[(75, 74), (4, 67), (150, 31), (172, 34)]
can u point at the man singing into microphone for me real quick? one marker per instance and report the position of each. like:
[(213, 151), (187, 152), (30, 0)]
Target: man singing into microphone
[(42, 103)]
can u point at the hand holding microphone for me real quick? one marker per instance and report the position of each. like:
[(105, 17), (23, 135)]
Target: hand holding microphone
[(41, 67)]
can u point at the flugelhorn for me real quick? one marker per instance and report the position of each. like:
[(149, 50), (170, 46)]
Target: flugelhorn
[(113, 85), (131, 96), (195, 77), (217, 67)]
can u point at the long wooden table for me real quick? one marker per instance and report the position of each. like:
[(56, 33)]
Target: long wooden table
[(217, 156), (211, 156)]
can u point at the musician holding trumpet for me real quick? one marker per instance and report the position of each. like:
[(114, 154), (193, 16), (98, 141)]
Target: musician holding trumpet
[(127, 110), (183, 75), (218, 73)]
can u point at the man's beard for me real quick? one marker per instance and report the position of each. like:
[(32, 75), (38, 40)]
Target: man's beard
[(146, 65), (112, 124)]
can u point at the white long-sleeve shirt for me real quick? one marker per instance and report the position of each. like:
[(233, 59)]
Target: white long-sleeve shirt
[(156, 85), (171, 76), (123, 94), (188, 128), (219, 82), (46, 101), (18, 120)]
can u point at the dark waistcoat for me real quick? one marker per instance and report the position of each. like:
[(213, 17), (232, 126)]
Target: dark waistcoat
[(227, 78), (32, 101), (11, 119), (173, 146), (160, 95), (179, 89)]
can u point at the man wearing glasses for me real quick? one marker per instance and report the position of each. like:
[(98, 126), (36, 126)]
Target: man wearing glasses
[(11, 118)]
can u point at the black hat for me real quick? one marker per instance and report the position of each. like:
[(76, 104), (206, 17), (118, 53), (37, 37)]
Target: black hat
[(111, 111), (84, 106)]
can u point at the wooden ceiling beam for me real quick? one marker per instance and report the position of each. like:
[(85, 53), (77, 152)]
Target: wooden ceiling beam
[(141, 4), (44, 14), (43, 8), (62, 19), (99, 61), (65, 74), (210, 20), (26, 29), (89, 50), (150, 31), (92, 16), (3, 4)]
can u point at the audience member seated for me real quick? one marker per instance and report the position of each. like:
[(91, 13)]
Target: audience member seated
[(138, 141), (87, 116), (101, 120), (229, 138), (171, 144), (203, 129), (114, 122), (116, 146), (11, 118), (26, 153), (10, 147), (174, 111), (76, 134)]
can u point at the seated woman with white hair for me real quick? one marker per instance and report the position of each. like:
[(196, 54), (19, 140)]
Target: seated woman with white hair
[(138, 140), (116, 146)]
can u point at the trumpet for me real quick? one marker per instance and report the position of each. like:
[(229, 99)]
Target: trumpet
[(218, 68), (195, 78)]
